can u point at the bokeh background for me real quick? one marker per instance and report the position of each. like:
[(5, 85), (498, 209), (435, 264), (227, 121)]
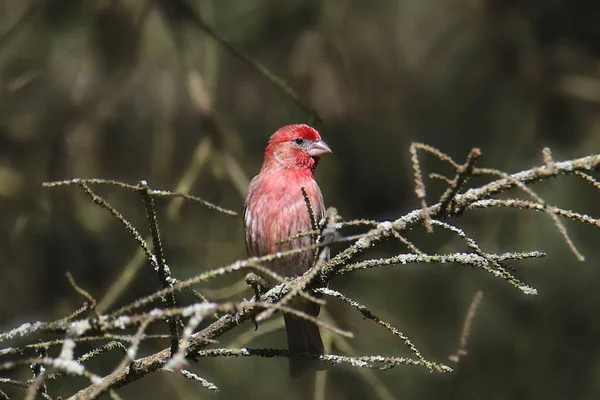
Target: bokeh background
[(132, 89)]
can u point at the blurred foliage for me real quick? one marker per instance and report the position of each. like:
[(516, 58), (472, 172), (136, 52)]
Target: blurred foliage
[(132, 89)]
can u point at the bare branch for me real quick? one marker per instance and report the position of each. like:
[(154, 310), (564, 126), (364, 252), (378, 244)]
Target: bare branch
[(466, 329), (162, 269), (369, 315), (115, 328)]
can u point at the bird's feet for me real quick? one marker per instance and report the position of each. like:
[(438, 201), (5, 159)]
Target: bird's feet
[(259, 285)]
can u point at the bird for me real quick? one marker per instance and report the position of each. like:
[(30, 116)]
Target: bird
[(274, 210)]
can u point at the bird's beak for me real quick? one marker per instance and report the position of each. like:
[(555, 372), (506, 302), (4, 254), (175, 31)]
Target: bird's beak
[(318, 148)]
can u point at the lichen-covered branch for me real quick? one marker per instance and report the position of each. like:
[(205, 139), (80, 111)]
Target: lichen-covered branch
[(129, 323)]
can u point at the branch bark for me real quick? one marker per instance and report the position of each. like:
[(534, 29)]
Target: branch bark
[(154, 362)]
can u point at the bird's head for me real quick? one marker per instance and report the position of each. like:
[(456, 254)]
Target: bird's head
[(295, 146)]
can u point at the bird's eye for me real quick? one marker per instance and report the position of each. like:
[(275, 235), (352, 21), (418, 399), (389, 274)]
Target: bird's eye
[(298, 141)]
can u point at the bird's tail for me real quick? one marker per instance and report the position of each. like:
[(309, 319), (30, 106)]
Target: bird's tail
[(303, 338)]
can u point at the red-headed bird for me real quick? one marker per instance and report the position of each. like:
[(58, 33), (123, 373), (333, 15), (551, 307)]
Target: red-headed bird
[(274, 210)]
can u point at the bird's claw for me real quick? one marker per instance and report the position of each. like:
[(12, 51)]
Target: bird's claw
[(257, 283), (238, 316), (259, 286)]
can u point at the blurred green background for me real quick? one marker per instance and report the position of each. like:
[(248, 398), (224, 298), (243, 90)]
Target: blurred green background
[(132, 89)]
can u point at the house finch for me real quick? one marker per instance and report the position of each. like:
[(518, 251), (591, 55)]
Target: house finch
[(274, 210)]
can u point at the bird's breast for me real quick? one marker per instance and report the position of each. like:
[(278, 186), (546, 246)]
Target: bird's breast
[(275, 211)]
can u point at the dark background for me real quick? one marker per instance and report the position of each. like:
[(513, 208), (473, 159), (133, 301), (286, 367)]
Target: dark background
[(127, 90)]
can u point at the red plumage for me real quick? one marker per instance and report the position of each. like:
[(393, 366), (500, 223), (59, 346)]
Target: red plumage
[(275, 209)]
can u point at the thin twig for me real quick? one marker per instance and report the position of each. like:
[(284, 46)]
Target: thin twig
[(419, 184), (374, 362), (91, 301), (467, 328), (163, 270), (156, 192), (463, 172), (559, 225), (369, 315)]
